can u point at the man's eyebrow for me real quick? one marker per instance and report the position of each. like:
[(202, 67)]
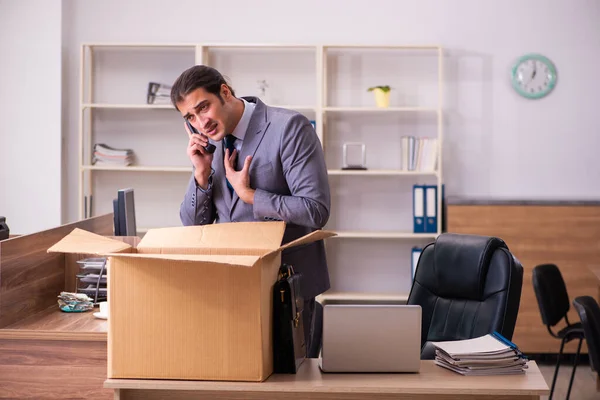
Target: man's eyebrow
[(195, 108)]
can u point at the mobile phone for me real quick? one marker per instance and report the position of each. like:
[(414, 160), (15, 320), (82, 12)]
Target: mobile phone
[(210, 148)]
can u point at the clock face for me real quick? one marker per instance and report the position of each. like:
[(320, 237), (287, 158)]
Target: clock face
[(533, 76)]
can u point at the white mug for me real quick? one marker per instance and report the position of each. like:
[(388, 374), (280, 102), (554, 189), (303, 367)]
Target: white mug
[(103, 308)]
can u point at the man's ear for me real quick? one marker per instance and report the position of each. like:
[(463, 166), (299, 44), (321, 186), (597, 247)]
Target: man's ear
[(225, 92)]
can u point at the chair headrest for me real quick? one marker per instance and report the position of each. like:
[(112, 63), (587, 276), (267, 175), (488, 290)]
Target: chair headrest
[(462, 263)]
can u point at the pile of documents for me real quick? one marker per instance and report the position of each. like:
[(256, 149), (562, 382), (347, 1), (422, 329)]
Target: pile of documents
[(74, 302), (491, 354), (106, 155)]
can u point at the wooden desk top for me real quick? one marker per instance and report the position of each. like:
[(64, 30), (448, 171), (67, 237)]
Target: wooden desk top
[(54, 324), (432, 379)]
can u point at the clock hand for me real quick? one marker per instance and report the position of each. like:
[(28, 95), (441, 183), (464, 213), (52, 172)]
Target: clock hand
[(534, 71)]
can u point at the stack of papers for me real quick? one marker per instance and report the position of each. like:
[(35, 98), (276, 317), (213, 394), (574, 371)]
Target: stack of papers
[(486, 355), (74, 302), (106, 155)]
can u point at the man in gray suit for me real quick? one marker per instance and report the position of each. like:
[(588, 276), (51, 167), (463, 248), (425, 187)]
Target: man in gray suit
[(268, 166)]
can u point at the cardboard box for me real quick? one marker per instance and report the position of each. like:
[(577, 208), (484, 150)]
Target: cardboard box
[(191, 302)]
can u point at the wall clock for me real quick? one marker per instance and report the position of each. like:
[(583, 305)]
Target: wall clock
[(533, 76)]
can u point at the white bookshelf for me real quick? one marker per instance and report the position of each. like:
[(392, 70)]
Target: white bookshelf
[(380, 172), (129, 106), (371, 209), (134, 168), (383, 235), (378, 110)]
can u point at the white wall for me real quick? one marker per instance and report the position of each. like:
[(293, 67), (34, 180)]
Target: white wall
[(30, 114), (497, 144)]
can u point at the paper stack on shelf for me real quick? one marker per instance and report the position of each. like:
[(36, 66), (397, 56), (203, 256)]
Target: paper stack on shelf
[(106, 155), (491, 354)]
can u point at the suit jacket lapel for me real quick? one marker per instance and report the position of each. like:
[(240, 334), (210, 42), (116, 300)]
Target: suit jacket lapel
[(256, 130)]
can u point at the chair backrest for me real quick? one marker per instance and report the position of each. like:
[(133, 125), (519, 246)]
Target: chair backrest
[(551, 293), (589, 313), (467, 286)]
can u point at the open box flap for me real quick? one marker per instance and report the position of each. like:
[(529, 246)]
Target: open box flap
[(309, 238), (251, 238), (242, 261), (84, 242)]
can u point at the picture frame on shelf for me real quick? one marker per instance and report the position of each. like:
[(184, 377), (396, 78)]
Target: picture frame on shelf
[(354, 156)]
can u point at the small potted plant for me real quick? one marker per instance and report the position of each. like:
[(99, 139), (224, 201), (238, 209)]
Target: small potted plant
[(382, 95)]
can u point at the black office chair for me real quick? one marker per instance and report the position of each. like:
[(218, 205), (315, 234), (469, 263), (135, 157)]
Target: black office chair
[(467, 286), (589, 313), (553, 301)]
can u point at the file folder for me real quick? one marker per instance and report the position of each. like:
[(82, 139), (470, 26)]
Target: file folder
[(431, 208), (419, 209)]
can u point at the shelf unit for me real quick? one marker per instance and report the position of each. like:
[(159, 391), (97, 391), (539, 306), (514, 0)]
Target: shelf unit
[(328, 84)]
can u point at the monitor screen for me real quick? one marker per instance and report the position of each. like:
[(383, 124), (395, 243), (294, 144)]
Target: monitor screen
[(116, 217), (125, 224)]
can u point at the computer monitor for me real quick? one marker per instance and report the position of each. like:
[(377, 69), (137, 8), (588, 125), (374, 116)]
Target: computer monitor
[(124, 213)]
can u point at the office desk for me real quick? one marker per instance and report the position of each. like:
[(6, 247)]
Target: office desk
[(432, 382), (44, 352)]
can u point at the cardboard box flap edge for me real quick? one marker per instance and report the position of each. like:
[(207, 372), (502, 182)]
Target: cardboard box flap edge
[(251, 236), (308, 238), (84, 242), (233, 260)]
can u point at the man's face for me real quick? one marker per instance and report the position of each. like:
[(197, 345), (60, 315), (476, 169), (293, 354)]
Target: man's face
[(207, 113)]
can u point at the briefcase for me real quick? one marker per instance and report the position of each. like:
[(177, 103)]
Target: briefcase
[(289, 348)]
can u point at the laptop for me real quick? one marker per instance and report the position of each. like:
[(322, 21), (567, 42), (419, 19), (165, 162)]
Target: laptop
[(371, 338)]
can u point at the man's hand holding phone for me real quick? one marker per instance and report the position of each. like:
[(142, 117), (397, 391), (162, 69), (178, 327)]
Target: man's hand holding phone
[(198, 154)]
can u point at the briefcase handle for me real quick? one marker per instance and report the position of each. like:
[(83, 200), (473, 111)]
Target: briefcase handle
[(285, 271)]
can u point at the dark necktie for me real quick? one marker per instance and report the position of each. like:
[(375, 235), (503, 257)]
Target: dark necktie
[(229, 141)]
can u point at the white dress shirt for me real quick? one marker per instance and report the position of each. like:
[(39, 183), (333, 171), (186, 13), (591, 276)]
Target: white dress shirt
[(240, 130)]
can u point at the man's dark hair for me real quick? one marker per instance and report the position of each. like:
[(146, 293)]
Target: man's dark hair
[(198, 76)]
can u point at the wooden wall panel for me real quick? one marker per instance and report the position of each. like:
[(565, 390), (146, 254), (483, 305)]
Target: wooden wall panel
[(30, 278), (563, 234)]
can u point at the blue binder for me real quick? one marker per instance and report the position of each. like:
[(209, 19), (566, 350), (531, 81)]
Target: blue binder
[(418, 209), (431, 208)]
